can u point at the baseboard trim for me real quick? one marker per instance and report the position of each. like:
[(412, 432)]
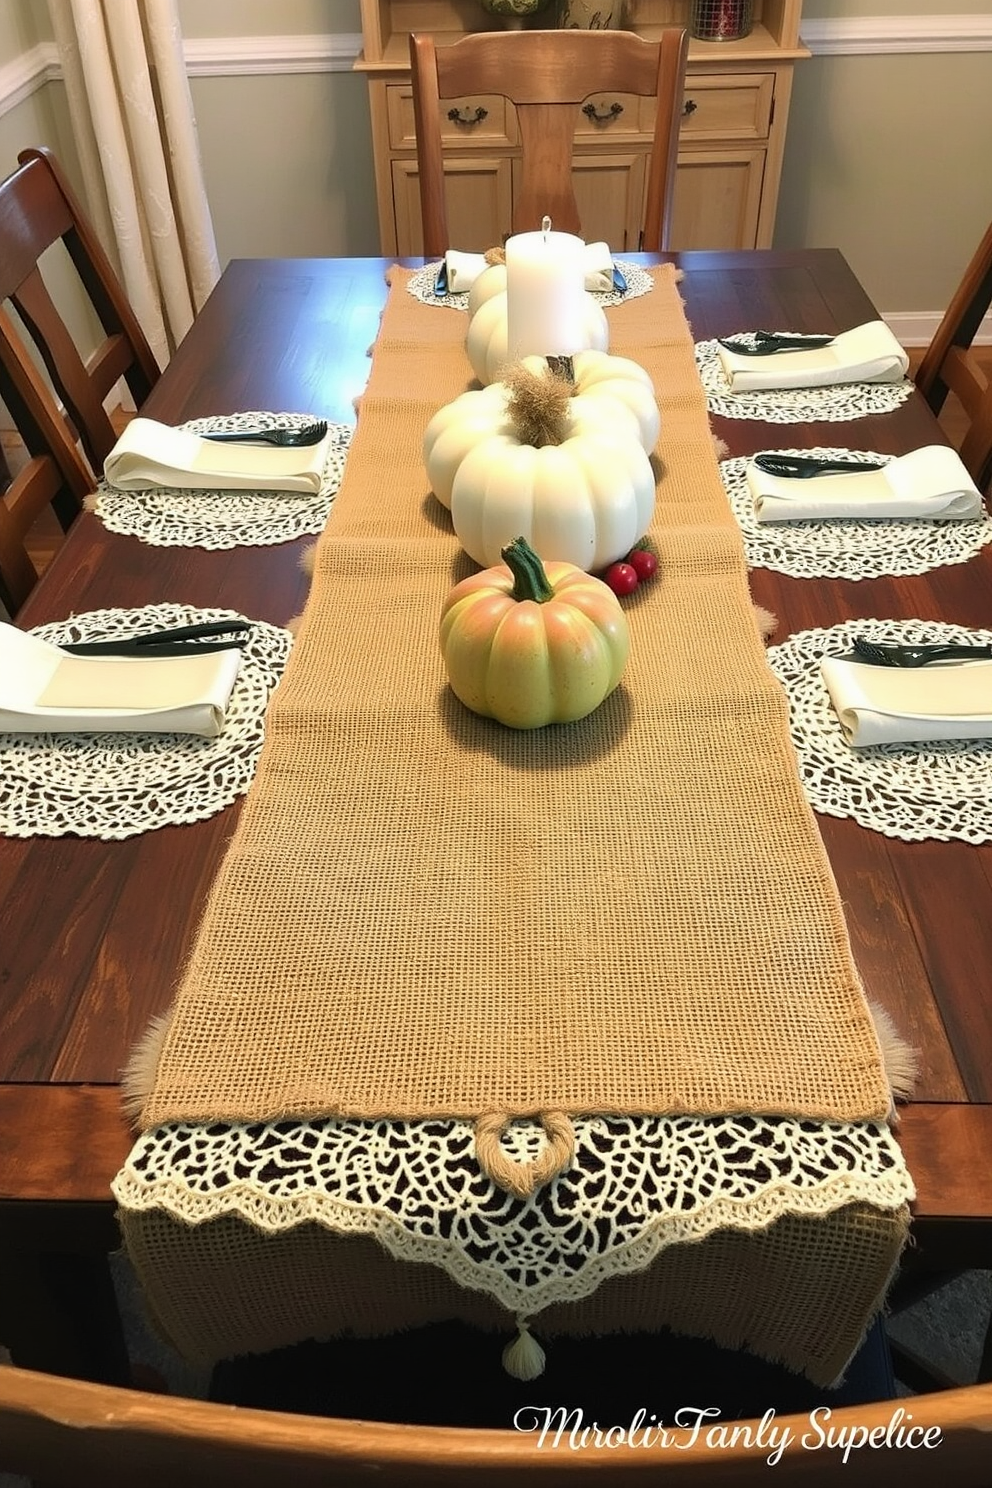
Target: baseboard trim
[(252, 56), (864, 35), (206, 56), (917, 330)]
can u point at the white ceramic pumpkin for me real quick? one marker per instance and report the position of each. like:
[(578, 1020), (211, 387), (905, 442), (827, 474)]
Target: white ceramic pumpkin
[(584, 497), (492, 281), (487, 328), (475, 416)]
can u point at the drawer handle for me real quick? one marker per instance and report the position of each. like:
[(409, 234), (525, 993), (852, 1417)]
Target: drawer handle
[(689, 107), (469, 119), (613, 112)]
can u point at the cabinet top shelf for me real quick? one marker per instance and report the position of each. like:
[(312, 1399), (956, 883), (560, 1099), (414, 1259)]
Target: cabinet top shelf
[(758, 46)]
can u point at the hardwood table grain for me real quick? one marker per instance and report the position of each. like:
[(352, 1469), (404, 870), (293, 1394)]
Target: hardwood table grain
[(92, 933)]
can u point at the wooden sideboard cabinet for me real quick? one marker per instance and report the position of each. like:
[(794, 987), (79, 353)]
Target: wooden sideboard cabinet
[(730, 147)]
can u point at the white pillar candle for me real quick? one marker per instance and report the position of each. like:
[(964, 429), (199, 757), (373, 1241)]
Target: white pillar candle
[(545, 289)]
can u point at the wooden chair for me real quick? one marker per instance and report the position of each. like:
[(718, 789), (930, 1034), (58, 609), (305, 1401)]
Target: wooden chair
[(68, 1434), (38, 208), (547, 75), (949, 365)]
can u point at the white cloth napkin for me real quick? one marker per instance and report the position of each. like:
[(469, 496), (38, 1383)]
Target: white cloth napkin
[(150, 454), (44, 689), (464, 268), (869, 353), (597, 261), (929, 482), (902, 705)]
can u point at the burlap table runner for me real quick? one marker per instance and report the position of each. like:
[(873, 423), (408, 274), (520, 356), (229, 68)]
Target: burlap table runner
[(424, 913)]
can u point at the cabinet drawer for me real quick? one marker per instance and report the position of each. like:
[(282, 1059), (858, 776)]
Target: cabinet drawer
[(481, 119), (730, 106), (613, 116)]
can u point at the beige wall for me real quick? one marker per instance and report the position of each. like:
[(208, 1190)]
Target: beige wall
[(888, 158), (268, 17), (288, 164), (887, 155)]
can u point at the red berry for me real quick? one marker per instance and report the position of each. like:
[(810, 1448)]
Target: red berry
[(621, 577), (643, 562)]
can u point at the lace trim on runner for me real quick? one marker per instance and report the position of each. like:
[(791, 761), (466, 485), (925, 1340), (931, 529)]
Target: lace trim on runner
[(169, 517), (421, 286), (794, 405), (938, 791), (848, 548), (116, 785), (638, 1185)]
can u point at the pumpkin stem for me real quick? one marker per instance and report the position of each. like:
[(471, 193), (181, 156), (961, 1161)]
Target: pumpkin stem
[(529, 578), (537, 406)]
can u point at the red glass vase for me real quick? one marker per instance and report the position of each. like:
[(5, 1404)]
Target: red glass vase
[(721, 20)]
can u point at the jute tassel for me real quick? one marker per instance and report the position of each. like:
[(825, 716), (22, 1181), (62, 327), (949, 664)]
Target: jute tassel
[(524, 1357), (521, 1179)]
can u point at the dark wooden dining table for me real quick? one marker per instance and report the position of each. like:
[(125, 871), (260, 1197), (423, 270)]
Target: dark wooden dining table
[(93, 933)]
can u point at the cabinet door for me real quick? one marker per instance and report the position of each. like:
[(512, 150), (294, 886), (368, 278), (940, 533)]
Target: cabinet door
[(477, 200), (609, 190), (717, 198)]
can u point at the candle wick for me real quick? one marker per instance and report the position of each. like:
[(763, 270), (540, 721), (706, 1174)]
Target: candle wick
[(545, 227)]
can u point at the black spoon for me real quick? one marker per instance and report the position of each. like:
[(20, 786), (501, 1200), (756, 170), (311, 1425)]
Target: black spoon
[(803, 467), (917, 656), (766, 343)]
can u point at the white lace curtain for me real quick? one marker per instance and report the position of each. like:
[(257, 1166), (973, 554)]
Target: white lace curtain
[(132, 117)]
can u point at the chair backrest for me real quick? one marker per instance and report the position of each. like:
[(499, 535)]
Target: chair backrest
[(37, 209), (75, 1435), (949, 365), (54, 473), (547, 75)]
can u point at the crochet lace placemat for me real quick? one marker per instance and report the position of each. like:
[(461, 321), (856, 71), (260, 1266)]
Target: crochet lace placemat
[(115, 785), (174, 518), (936, 791), (421, 285), (423, 913), (851, 400), (848, 548)]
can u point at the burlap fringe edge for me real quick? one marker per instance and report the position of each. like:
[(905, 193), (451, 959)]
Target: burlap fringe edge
[(138, 1075), (900, 1060)]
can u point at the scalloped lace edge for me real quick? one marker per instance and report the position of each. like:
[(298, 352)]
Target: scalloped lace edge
[(272, 1216)]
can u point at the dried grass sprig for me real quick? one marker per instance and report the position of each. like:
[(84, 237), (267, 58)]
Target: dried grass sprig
[(538, 406)]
